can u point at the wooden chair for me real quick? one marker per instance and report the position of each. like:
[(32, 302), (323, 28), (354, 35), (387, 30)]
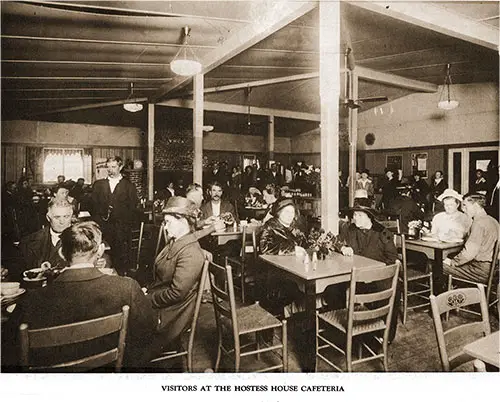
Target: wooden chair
[(408, 276), (248, 321), (161, 239), (240, 264), (489, 284), (188, 351), (368, 313), (59, 336), (461, 333), (136, 244)]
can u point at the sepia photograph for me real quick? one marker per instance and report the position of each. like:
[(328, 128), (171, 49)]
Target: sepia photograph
[(196, 191)]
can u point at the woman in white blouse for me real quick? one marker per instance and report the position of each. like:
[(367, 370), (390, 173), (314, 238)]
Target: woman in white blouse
[(452, 224)]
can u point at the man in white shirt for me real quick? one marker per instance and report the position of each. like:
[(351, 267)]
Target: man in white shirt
[(114, 208)]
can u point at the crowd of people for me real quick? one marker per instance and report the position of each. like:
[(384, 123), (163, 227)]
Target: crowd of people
[(163, 308)]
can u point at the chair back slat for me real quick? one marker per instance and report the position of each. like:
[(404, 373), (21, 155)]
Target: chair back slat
[(494, 263), (373, 275), (373, 297), (75, 333), (82, 365), (455, 299), (69, 334), (371, 314)]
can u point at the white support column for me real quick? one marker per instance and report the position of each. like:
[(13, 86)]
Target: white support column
[(151, 144), (270, 138), (329, 88), (198, 129), (353, 137)]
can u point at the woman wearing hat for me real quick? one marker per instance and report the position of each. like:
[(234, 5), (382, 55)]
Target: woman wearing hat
[(280, 234), (452, 224), (177, 271)]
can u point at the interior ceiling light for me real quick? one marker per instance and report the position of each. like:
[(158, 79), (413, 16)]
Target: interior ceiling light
[(207, 129), (132, 106), (445, 101), (185, 61)]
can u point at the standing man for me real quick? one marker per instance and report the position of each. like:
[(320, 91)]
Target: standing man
[(114, 207)]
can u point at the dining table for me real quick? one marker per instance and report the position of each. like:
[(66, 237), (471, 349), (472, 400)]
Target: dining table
[(233, 232), (312, 278), (436, 250), (486, 349)]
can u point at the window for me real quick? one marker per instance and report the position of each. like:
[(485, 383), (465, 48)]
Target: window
[(73, 163)]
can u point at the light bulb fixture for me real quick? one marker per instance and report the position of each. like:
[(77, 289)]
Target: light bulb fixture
[(185, 61), (445, 101), (132, 106)]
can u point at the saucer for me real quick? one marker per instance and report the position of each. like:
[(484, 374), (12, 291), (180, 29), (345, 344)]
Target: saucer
[(18, 293)]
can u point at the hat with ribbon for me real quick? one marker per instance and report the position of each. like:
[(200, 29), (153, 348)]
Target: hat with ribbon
[(449, 192), (180, 206)]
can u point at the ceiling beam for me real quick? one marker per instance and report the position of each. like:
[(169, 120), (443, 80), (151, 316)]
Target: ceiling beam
[(89, 89), (278, 15), (367, 74), (91, 106), (117, 11), (242, 109), (125, 79), (436, 18), (259, 83), (85, 62)]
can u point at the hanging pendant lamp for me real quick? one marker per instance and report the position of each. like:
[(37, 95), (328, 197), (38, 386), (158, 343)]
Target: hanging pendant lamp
[(445, 100), (185, 62)]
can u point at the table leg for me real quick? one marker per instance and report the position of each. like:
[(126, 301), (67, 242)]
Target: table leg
[(437, 271), (309, 350)]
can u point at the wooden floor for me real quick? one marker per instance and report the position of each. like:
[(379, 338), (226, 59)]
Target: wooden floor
[(413, 350)]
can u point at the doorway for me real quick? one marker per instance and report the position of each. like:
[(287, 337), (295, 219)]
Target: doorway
[(463, 163)]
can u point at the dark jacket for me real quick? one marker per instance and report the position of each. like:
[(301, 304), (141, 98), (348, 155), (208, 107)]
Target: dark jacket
[(37, 248), (86, 293), (278, 239), (123, 201), (389, 192), (419, 191), (407, 209), (376, 243), (226, 206), (437, 189), (173, 293)]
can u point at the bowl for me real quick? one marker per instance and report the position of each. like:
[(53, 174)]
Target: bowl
[(9, 288)]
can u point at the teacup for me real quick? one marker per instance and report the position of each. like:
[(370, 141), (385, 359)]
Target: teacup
[(9, 288)]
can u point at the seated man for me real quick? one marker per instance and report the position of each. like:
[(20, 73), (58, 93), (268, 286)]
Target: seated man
[(81, 292), (216, 207), (474, 261), (44, 245), (194, 192)]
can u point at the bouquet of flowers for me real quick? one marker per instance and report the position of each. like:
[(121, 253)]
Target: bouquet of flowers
[(414, 227), (321, 242)]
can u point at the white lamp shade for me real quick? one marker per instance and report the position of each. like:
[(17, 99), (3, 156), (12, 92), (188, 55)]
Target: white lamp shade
[(448, 104), (132, 107), (185, 67)]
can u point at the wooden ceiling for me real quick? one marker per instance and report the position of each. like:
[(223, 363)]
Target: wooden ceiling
[(74, 61)]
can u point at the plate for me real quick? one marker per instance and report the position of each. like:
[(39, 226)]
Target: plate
[(428, 238), (18, 293)]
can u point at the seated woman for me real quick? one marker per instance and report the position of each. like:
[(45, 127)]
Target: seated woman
[(177, 270), (281, 236), (452, 224)]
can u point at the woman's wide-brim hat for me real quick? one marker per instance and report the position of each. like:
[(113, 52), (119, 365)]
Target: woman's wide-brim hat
[(280, 204), (363, 205), (180, 206), (449, 192)]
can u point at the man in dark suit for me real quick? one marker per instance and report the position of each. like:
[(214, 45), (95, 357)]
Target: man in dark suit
[(274, 176), (216, 207), (82, 292), (44, 244), (114, 208)]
